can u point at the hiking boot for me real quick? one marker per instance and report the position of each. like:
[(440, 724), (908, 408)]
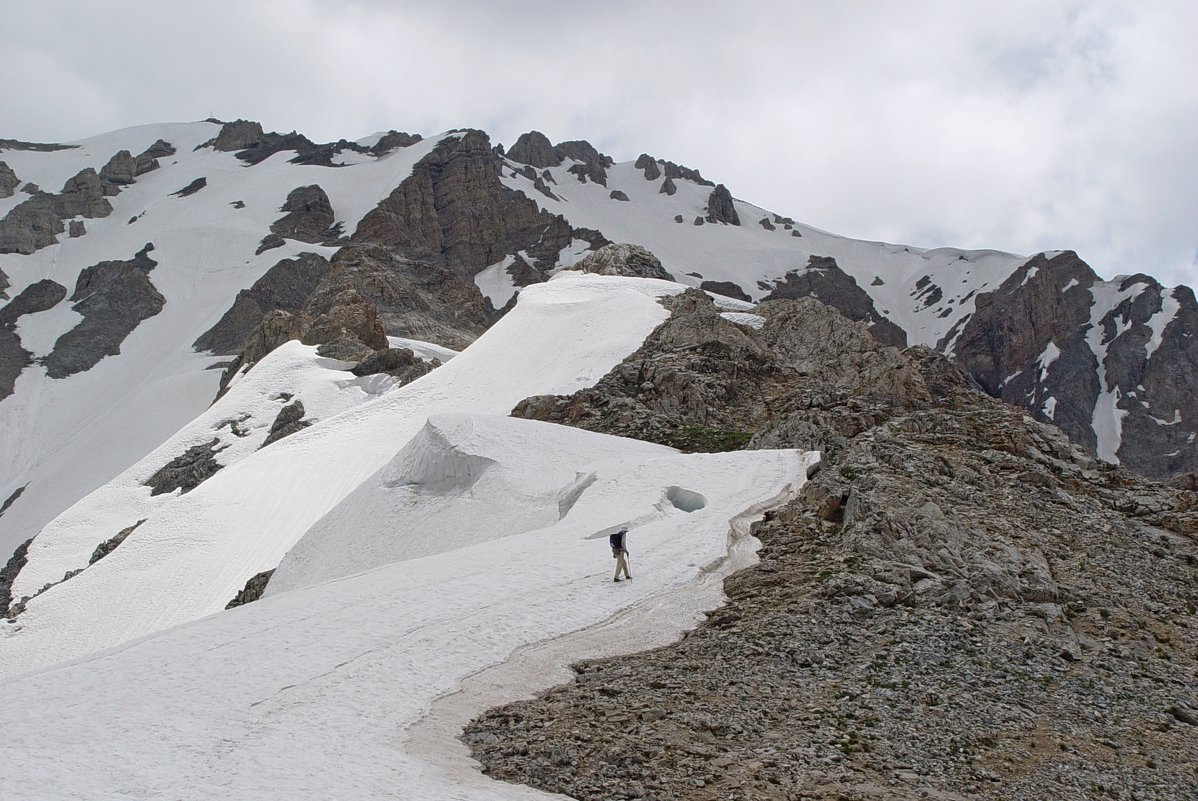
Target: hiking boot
[(615, 579)]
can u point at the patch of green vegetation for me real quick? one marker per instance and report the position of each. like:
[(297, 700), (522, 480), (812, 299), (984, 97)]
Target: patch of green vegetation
[(699, 439)]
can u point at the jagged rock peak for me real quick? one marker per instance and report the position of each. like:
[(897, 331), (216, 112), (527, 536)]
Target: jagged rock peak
[(624, 259), (535, 149), (720, 208)]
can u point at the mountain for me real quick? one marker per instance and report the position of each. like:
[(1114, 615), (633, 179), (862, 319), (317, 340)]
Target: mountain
[(387, 397)]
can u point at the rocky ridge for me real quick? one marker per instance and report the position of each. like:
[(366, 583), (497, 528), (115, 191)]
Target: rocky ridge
[(961, 604)]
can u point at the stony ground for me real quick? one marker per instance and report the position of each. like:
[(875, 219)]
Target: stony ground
[(960, 605)]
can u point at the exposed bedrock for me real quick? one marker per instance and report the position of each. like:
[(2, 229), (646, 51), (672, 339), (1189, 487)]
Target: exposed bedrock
[(31, 225), (289, 420), (83, 196), (113, 297), (720, 208), (254, 587), (534, 149), (188, 470), (623, 259), (823, 280), (309, 216), (285, 286), (453, 211), (120, 171), (648, 165), (726, 288)]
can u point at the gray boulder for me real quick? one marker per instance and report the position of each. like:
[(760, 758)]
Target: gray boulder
[(76, 229), (668, 187), (31, 225), (623, 259), (289, 420), (616, 194), (236, 135)]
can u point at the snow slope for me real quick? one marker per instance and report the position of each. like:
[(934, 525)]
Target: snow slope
[(64, 437), (195, 552), (754, 257), (313, 693)]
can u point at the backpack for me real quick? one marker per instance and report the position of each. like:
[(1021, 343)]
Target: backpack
[(616, 541)]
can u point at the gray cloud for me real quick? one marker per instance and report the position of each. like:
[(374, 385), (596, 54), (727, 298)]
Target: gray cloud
[(1021, 125)]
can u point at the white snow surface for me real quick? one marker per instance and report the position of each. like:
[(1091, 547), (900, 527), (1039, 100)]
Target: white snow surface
[(742, 318), (194, 553), (1107, 417), (65, 437), (1169, 308), (314, 693), (423, 350), (748, 253)]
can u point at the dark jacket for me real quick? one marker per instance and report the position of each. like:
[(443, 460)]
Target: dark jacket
[(616, 541)]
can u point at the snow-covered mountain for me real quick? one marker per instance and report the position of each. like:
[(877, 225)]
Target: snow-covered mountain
[(237, 364)]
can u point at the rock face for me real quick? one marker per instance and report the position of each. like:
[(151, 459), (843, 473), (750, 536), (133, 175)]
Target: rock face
[(192, 188), (109, 545), (668, 187), (286, 287), (113, 297), (309, 216), (1111, 363), (720, 208), (236, 135), (188, 470), (8, 181), (824, 280), (623, 259), (453, 211), (147, 160), (957, 590)]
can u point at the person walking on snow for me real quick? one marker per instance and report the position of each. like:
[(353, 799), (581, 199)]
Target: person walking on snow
[(620, 553)]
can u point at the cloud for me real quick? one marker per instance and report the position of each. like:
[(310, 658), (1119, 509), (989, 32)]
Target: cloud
[(1021, 126)]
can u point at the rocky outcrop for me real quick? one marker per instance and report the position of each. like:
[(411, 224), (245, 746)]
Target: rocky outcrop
[(41, 147), (113, 297), (673, 170), (8, 574), (36, 297), (253, 590), (39, 296), (120, 171), (453, 211), (701, 382), (309, 216), (720, 208), (269, 242), (952, 560), (147, 160), (823, 279), (623, 259), (8, 181), (534, 149), (726, 288), (192, 188), (83, 196), (31, 225), (76, 229), (236, 135), (109, 545), (648, 165), (616, 194), (400, 363), (393, 140), (286, 287), (1111, 363), (11, 499), (668, 187), (188, 470), (289, 420)]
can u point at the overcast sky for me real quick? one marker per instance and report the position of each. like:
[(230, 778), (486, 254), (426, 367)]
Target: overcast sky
[(1016, 125)]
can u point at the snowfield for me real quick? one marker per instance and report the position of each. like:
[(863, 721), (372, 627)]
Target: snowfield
[(316, 692), (196, 551)]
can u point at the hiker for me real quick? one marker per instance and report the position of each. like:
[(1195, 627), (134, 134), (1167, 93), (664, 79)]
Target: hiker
[(620, 553)]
